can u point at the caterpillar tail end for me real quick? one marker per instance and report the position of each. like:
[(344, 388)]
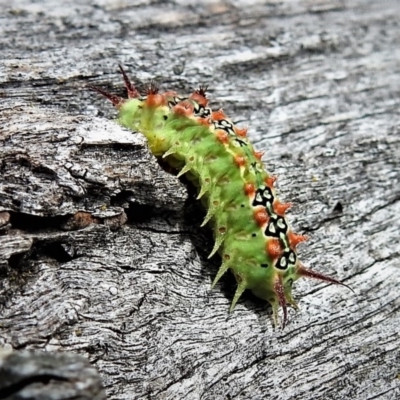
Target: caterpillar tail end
[(283, 296), (308, 273)]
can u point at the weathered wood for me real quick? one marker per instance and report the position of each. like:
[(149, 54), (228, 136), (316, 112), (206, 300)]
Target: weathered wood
[(48, 376), (100, 251)]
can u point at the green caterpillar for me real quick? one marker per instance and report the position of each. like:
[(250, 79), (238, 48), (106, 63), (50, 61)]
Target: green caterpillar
[(251, 232)]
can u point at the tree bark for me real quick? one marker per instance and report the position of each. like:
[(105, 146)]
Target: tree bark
[(48, 376), (101, 253)]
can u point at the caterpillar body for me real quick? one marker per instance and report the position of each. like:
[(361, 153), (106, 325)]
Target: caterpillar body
[(251, 231)]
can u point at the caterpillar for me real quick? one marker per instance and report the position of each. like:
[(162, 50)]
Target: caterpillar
[(251, 232)]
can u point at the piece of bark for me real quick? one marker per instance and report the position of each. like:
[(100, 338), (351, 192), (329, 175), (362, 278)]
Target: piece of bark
[(48, 376), (101, 250)]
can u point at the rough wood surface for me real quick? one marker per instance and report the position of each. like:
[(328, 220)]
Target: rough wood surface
[(100, 249), (48, 376)]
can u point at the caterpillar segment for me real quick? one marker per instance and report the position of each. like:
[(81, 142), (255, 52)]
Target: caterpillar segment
[(251, 230)]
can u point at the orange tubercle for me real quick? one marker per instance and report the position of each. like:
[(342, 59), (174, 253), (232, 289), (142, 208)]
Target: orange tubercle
[(261, 216), (156, 100), (280, 208), (259, 154), (249, 189), (198, 98), (270, 181), (222, 136), (217, 115), (273, 248), (184, 108), (240, 161), (295, 239), (241, 131), (204, 121)]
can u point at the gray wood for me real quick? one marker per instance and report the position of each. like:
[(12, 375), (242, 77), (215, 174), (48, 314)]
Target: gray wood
[(48, 376), (101, 250)]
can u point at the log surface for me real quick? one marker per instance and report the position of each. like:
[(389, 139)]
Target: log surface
[(101, 253), (48, 376)]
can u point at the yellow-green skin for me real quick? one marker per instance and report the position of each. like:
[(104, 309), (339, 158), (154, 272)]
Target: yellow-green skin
[(240, 241), (251, 232)]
